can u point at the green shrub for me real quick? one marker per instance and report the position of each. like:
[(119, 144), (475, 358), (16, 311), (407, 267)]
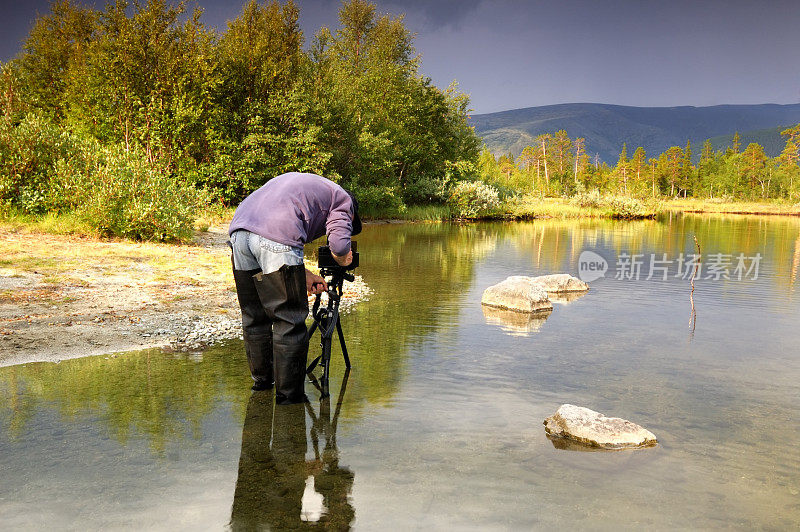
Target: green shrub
[(377, 201), (625, 207), (29, 154), (133, 198), (586, 200), (46, 169), (472, 198)]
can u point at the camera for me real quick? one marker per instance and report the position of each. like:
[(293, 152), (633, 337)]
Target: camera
[(326, 261)]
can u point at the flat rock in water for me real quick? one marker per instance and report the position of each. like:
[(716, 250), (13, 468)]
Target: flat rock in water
[(560, 283), (593, 428), (518, 293)]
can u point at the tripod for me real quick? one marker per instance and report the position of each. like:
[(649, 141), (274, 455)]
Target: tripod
[(326, 319)]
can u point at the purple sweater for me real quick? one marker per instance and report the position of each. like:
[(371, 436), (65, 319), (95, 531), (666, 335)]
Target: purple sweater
[(295, 208)]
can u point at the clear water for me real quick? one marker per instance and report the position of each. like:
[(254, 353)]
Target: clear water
[(441, 422)]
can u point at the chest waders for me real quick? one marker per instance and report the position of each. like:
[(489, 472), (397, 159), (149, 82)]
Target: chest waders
[(274, 310)]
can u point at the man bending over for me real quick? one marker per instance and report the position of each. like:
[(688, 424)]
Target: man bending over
[(267, 234)]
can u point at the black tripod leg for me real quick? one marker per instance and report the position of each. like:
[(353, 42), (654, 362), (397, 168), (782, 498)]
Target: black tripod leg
[(341, 342), (312, 329), (326, 362)]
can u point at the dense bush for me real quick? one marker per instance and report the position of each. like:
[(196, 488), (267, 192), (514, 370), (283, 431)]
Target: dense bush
[(472, 198), (130, 197), (29, 154), (585, 199), (625, 207), (118, 192)]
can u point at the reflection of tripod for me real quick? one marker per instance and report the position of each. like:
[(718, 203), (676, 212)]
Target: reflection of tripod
[(327, 320), (324, 424), (333, 482)]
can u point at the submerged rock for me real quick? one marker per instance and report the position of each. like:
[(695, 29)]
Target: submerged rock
[(514, 322), (592, 428), (559, 283), (517, 293)]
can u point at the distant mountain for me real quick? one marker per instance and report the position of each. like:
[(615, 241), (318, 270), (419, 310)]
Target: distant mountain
[(770, 139), (606, 127)]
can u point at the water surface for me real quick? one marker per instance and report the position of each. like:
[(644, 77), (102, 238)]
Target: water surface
[(441, 422)]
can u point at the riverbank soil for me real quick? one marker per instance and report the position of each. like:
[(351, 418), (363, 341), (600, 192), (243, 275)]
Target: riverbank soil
[(64, 296)]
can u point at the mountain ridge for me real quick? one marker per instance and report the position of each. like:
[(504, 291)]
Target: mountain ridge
[(607, 126)]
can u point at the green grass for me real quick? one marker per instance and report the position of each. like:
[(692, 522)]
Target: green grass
[(528, 207), (52, 223), (732, 207), (414, 213), (608, 207)]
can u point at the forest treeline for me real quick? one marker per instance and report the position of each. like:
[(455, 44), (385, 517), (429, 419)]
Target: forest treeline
[(136, 117), (137, 114), (555, 164)]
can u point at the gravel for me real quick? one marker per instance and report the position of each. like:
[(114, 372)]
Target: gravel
[(192, 332)]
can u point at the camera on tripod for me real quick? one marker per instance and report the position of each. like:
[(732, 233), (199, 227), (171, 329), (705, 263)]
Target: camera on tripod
[(326, 319), (326, 261)]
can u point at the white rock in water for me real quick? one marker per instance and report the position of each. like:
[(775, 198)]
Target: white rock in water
[(517, 293), (593, 428), (560, 282)]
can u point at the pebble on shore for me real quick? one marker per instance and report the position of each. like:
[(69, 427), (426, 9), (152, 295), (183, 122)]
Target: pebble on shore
[(192, 332)]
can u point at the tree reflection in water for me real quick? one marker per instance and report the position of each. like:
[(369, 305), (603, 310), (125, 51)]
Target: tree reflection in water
[(277, 487)]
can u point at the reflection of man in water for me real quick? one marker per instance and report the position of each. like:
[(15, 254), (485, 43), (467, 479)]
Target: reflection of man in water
[(277, 488)]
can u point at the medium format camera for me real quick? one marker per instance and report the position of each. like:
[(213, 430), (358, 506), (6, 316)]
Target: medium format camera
[(326, 261)]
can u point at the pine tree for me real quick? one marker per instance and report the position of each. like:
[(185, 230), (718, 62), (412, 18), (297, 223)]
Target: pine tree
[(638, 163), (581, 158), (754, 168), (737, 143), (507, 165), (687, 170), (622, 169), (671, 167), (792, 134), (528, 158), (706, 166), (789, 161), (653, 163), (543, 141)]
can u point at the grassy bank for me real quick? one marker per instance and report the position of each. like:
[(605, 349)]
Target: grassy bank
[(529, 207), (588, 206), (732, 207), (522, 208), (14, 221)]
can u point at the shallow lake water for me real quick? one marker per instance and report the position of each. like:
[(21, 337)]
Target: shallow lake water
[(440, 426)]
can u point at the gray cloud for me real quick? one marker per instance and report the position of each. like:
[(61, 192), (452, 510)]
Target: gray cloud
[(513, 53), (437, 14)]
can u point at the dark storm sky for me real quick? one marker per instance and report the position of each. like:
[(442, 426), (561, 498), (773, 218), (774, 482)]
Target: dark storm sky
[(508, 54)]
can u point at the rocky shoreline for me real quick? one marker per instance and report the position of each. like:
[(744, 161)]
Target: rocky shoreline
[(191, 333), (64, 297)]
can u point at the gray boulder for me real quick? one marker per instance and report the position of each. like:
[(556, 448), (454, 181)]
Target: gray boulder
[(517, 293), (592, 428), (559, 283)]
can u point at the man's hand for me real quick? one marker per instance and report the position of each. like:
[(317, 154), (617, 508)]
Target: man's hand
[(315, 284), (344, 260)]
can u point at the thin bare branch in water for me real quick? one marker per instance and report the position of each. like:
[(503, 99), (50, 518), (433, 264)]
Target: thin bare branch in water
[(693, 313)]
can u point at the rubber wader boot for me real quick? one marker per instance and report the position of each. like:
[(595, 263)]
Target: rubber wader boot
[(257, 329), (283, 294)]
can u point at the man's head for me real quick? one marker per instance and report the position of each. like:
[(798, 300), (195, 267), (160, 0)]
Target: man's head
[(356, 218)]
